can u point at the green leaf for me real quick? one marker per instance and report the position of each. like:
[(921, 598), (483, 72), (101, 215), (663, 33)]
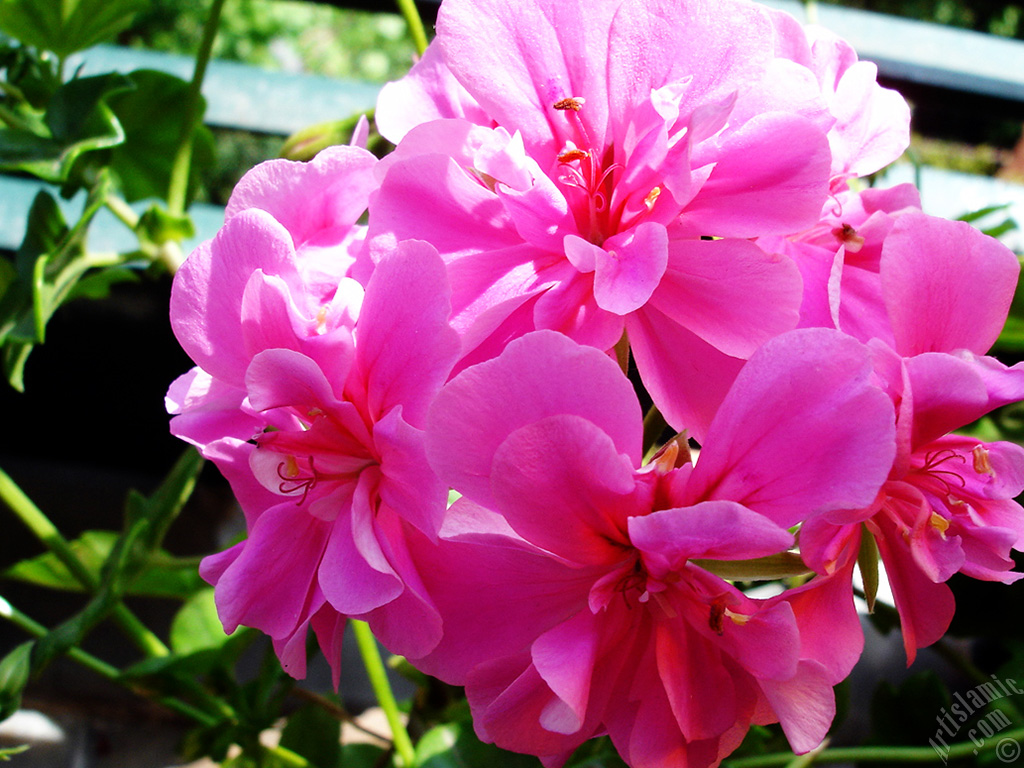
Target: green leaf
[(455, 745), (316, 735), (162, 576), (361, 756), (196, 626), (8, 752), (97, 285), (143, 162), (66, 26), (77, 120), (14, 673)]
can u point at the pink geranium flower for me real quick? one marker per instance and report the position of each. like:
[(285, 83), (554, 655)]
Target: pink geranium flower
[(599, 168), (930, 296), (309, 395), (588, 599)]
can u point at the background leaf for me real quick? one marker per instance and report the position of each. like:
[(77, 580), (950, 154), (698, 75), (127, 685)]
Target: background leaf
[(66, 26)]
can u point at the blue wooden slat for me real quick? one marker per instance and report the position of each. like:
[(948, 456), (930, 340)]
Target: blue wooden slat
[(242, 96)]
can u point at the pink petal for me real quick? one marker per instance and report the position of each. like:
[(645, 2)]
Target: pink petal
[(318, 202), (686, 377), (564, 657), (770, 177), (628, 268), (730, 293), (428, 92), (355, 574), (518, 58), (543, 374), (715, 530), (568, 464), (270, 582), (406, 347), (947, 286), (804, 704), (206, 298), (802, 431)]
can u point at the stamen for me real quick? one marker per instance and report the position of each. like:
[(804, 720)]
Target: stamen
[(981, 463), (848, 236), (291, 482), (939, 523), (571, 155), (737, 618), (652, 198), (321, 321), (572, 102)]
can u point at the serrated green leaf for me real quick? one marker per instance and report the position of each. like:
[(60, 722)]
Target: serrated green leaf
[(66, 26), (316, 735), (15, 668)]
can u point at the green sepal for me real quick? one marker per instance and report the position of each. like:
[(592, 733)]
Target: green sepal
[(867, 562), (780, 566)]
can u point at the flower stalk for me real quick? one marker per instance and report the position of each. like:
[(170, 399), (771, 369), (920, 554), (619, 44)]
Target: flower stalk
[(377, 673)]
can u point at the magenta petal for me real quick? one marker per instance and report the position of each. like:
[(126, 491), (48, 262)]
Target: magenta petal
[(804, 704), (406, 347), (282, 377), (730, 293), (542, 374), (428, 92), (691, 668), (686, 377), (714, 530), (950, 391), (564, 657), (407, 484), (628, 268), (518, 57), (206, 298), (317, 201), (563, 469), (770, 177), (329, 627), (355, 574), (269, 583), (802, 431), (509, 594), (947, 286)]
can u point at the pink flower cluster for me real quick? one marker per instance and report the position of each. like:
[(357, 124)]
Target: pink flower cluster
[(576, 183)]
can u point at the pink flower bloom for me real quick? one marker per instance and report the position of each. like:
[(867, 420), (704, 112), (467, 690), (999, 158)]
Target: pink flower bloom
[(930, 296), (567, 160), (309, 396), (587, 599)]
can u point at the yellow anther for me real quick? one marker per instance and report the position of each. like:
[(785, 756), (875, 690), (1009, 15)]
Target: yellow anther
[(939, 523), (290, 467), (321, 321), (652, 198), (981, 463), (575, 104), (571, 155), (737, 618)]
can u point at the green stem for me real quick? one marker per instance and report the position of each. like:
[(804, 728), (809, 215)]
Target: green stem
[(416, 29), (883, 754), (177, 191), (122, 211), (100, 667), (811, 10), (382, 688), (287, 757), (40, 525)]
